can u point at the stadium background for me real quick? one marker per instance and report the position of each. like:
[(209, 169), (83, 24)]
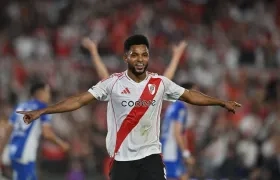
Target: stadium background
[(233, 53)]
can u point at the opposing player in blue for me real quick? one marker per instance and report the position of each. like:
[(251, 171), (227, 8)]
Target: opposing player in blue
[(23, 140), (175, 153)]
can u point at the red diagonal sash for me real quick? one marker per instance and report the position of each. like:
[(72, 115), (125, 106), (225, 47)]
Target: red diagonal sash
[(137, 112)]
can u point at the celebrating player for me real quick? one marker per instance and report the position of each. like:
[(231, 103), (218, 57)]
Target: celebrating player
[(135, 99), (23, 139)]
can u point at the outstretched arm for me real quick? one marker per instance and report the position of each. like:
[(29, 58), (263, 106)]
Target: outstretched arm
[(177, 53), (69, 104), (96, 60), (197, 98)]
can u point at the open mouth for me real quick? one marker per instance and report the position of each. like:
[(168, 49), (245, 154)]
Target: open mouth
[(139, 66)]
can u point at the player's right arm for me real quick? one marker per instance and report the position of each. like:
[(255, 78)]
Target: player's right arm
[(178, 123), (70, 104), (100, 91), (101, 69), (48, 134), (9, 127), (3, 141), (177, 53)]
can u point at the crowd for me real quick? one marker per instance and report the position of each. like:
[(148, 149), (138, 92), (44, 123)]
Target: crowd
[(233, 53)]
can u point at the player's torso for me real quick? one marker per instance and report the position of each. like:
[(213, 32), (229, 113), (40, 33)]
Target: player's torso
[(139, 104), (171, 150), (145, 96), (20, 129), (25, 138)]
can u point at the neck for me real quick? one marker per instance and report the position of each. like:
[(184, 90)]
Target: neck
[(137, 78)]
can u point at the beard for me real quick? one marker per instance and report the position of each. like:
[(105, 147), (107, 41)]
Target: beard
[(135, 71)]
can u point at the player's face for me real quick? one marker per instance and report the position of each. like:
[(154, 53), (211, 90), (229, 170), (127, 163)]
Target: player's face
[(137, 59)]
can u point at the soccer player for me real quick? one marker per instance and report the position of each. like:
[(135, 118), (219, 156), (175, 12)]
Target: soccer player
[(135, 99), (175, 154), (102, 71), (23, 140)]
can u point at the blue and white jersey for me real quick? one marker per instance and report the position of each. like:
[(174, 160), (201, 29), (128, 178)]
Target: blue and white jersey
[(176, 112), (25, 138)]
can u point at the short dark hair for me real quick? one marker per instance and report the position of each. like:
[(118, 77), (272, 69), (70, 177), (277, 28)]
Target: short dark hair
[(136, 39), (35, 86), (187, 85)]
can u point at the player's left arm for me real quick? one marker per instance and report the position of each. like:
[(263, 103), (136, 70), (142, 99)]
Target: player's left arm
[(177, 53), (8, 131), (197, 98), (3, 141), (96, 60), (178, 135)]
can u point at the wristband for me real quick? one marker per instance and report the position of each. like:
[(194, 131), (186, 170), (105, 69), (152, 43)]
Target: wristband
[(186, 153)]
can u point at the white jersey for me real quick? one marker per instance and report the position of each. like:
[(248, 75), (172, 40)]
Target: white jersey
[(133, 113)]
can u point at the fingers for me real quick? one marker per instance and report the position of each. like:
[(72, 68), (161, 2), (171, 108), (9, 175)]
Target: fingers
[(26, 119), (231, 110), (183, 44), (237, 104), (87, 42), (21, 112)]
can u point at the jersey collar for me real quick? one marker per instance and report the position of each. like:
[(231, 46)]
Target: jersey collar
[(147, 76)]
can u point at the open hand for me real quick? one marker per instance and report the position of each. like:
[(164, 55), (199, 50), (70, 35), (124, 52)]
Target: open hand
[(179, 49), (89, 44), (30, 116), (231, 106)]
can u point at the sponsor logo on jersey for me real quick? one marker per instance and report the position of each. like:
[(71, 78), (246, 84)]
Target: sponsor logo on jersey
[(139, 103)]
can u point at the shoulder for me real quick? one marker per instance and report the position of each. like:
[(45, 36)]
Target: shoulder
[(179, 105), (155, 75), (173, 108), (41, 105), (113, 77), (118, 75), (152, 74), (22, 105)]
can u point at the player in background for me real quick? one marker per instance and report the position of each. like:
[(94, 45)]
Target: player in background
[(102, 71), (174, 147), (134, 99), (23, 140)]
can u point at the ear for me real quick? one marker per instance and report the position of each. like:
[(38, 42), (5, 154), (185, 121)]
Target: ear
[(125, 57)]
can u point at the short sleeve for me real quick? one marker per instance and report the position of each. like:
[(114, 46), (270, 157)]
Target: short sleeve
[(13, 118), (178, 113), (46, 118), (172, 91), (102, 90)]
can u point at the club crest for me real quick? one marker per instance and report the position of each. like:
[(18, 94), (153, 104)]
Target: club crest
[(152, 88)]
